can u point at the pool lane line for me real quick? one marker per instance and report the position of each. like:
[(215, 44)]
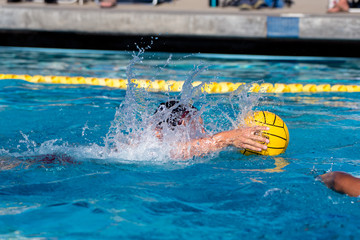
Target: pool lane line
[(176, 86)]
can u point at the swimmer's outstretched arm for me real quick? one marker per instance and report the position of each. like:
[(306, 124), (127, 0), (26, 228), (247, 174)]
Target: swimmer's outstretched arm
[(342, 182), (241, 138)]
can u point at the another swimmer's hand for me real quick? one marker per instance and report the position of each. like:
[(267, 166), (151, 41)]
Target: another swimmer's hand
[(342, 182), (248, 137)]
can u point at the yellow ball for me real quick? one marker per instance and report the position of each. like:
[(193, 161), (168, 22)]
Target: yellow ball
[(278, 134)]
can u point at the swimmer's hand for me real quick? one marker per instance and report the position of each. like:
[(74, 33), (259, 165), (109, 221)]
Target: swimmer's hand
[(342, 182), (247, 137)]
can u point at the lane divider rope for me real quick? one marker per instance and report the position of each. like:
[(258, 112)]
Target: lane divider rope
[(176, 86)]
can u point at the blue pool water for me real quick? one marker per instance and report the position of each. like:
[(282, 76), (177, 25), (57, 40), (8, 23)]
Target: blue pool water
[(60, 179)]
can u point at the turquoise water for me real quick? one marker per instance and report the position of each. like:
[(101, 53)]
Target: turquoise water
[(60, 178)]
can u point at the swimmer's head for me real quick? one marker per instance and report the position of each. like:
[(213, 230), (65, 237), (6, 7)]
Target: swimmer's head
[(174, 114)]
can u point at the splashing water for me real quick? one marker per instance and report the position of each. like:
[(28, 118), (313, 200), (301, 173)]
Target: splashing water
[(132, 135), (242, 103)]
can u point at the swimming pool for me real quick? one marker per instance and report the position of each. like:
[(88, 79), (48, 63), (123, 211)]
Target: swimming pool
[(89, 192)]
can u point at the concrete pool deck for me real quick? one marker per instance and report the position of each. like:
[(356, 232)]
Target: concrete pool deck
[(305, 20)]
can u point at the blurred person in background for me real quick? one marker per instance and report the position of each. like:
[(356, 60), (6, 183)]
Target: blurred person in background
[(342, 5), (108, 3)]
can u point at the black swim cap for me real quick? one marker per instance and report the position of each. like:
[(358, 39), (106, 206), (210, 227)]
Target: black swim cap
[(178, 112)]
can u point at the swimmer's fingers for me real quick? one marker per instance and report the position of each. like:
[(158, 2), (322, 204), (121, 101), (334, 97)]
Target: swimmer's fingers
[(258, 129), (256, 144), (255, 133), (253, 148), (249, 144), (248, 137), (261, 139)]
